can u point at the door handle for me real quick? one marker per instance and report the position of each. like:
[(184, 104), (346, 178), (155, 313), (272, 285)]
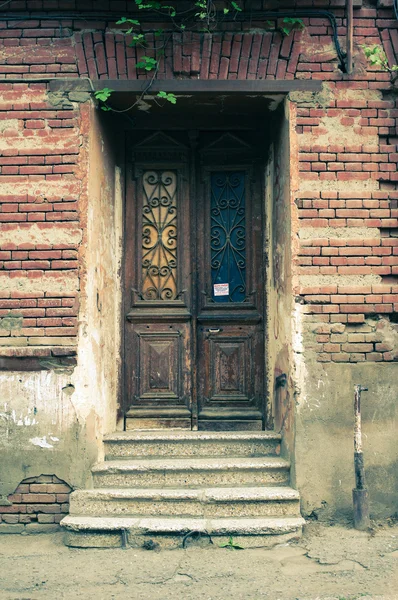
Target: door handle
[(214, 330)]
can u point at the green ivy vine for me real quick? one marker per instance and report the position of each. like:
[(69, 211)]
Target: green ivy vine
[(378, 58), (202, 17)]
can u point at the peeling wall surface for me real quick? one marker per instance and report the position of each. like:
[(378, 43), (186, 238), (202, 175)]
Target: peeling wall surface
[(331, 238), (52, 419), (43, 428), (324, 438)]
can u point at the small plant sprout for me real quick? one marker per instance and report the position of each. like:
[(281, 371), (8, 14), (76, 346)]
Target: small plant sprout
[(290, 23), (231, 544), (378, 58)]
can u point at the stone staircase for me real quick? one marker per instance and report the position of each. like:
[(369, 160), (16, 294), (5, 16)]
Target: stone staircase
[(170, 488)]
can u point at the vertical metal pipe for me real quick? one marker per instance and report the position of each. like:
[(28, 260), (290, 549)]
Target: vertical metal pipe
[(350, 34), (360, 494), (358, 456)]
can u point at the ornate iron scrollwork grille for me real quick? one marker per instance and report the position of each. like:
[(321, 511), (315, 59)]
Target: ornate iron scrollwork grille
[(228, 234), (159, 235)]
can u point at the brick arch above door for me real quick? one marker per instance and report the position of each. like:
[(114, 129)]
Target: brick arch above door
[(225, 55)]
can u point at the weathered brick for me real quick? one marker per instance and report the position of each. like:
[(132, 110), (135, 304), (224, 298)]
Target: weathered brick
[(357, 347), (46, 518), (34, 498), (10, 518), (43, 508), (58, 488), (374, 357)]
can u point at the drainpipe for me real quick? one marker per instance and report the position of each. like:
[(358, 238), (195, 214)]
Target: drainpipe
[(350, 34), (360, 494)]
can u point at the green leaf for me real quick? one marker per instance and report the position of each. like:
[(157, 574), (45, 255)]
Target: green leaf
[(169, 97), (103, 95), (148, 5), (147, 62), (377, 57), (226, 11), (138, 38), (236, 6), (294, 21), (290, 24), (171, 9), (129, 21)]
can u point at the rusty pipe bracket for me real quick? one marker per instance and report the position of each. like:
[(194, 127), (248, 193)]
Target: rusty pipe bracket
[(124, 538)]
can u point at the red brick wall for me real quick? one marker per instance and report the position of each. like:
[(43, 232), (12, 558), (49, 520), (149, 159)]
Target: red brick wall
[(39, 192), (72, 47), (43, 500)]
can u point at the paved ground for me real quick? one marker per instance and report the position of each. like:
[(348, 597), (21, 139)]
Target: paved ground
[(328, 563)]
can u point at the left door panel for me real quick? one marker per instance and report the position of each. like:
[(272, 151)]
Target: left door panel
[(157, 286)]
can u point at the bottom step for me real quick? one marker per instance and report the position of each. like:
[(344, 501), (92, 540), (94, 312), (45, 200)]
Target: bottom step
[(105, 532)]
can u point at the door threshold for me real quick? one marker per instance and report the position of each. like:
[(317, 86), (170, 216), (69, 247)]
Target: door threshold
[(230, 425), (158, 418)]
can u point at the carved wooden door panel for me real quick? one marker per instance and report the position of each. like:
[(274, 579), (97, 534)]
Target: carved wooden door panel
[(230, 290), (194, 343), (157, 286)]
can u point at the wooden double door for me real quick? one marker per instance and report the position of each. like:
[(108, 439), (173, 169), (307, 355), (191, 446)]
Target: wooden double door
[(194, 281)]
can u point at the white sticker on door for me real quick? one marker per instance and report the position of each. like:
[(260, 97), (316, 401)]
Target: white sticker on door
[(221, 289)]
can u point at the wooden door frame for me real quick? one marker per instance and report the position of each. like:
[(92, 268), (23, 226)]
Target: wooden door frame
[(193, 169)]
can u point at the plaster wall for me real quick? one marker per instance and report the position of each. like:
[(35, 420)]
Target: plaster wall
[(324, 437), (52, 420)]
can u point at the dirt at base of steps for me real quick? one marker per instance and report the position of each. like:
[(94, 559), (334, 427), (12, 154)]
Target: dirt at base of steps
[(327, 563)]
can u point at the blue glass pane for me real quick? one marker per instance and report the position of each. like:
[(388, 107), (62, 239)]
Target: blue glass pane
[(228, 236)]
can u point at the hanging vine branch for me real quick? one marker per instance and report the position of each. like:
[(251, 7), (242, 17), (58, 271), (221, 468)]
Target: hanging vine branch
[(203, 16)]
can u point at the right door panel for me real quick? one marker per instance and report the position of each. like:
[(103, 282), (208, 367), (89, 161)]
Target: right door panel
[(230, 288)]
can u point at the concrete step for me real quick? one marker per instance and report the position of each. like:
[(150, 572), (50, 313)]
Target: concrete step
[(193, 472), (201, 502), (177, 532), (146, 444)]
